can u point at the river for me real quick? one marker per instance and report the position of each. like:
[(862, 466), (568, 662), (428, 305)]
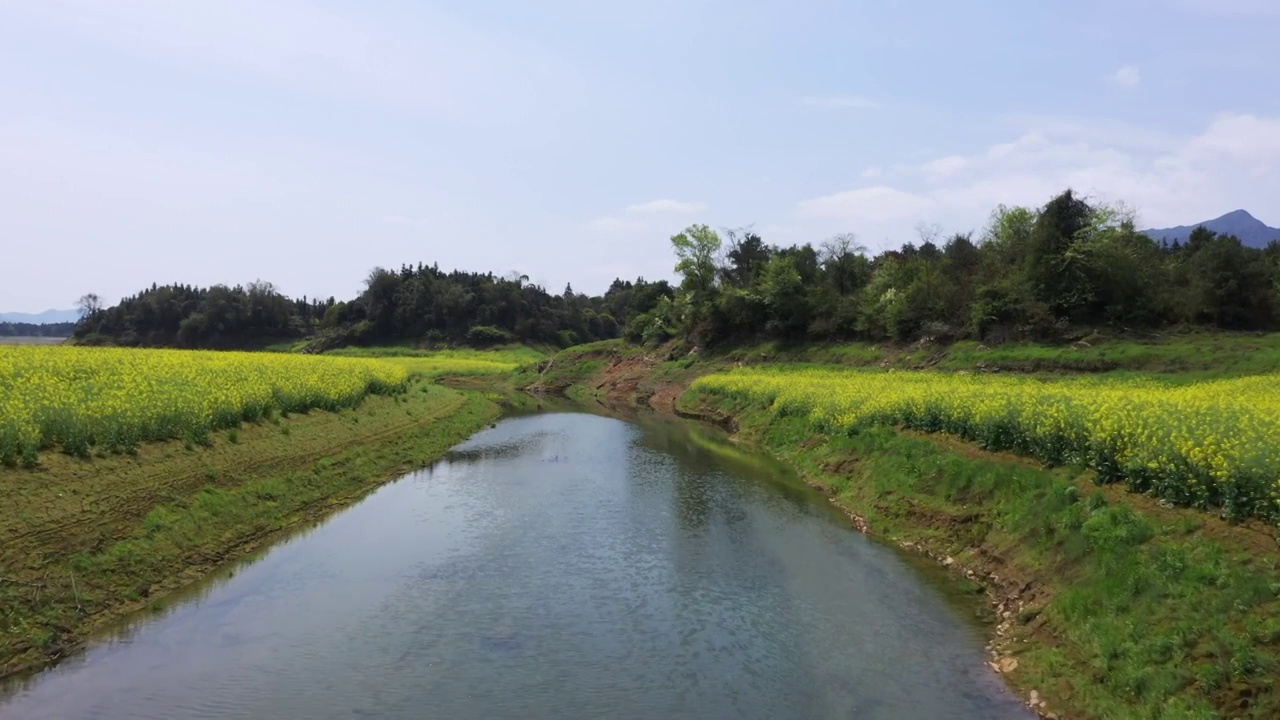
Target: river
[(559, 565)]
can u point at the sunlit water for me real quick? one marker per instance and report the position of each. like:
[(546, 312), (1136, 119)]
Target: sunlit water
[(557, 566)]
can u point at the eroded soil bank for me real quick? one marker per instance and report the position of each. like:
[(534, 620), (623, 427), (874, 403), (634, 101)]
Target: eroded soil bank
[(1102, 603)]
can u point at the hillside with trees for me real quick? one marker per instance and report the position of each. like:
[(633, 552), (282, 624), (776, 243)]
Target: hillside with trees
[(419, 304), (1047, 274)]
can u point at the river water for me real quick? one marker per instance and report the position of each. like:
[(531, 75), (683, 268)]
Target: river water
[(560, 565)]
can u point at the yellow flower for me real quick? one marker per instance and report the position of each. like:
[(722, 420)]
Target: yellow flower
[(80, 397)]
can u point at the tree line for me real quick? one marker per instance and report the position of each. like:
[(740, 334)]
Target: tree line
[(1031, 273), (180, 315), (1039, 274), (22, 329), (417, 304)]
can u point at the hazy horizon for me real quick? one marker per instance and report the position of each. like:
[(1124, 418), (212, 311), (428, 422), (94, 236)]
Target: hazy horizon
[(305, 143)]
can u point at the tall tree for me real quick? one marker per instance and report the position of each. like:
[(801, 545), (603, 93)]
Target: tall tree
[(696, 250), (1056, 278), (89, 305)]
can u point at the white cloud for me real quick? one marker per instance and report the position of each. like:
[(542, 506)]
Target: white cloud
[(841, 101), (872, 172), (1127, 76), (1107, 132), (1252, 141), (666, 206), (1234, 162), (879, 203), (1017, 146), (944, 167), (647, 216)]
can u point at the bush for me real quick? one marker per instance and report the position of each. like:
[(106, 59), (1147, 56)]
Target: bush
[(636, 327), (482, 335)]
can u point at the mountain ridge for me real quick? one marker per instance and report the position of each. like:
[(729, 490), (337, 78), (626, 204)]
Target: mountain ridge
[(48, 317), (1240, 223)]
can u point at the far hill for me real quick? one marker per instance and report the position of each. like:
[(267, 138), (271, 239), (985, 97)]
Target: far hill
[(48, 317), (1251, 231)]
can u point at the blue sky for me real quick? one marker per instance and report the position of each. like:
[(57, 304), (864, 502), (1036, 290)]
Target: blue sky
[(306, 142)]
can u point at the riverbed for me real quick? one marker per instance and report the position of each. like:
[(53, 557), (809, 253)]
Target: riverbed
[(558, 565)]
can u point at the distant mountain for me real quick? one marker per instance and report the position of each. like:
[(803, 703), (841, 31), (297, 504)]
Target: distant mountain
[(45, 318), (1251, 231)]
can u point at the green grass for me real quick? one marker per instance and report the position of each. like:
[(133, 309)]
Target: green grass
[(855, 354), (512, 354), (572, 366), (432, 368), (465, 362), (1186, 357), (1201, 355), (286, 347), (1140, 611), (1190, 356)]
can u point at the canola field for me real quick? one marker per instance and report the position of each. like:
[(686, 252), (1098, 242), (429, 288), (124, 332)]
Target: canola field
[(1213, 444), (428, 368), (429, 364), (81, 399)]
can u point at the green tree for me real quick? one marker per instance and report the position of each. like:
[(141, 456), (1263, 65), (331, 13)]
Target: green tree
[(696, 250), (382, 288), (336, 315), (747, 256), (783, 291), (1228, 284), (1057, 275)]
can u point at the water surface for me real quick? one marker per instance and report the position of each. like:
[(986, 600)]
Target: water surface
[(556, 566)]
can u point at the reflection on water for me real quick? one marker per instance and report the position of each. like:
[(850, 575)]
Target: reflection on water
[(559, 566)]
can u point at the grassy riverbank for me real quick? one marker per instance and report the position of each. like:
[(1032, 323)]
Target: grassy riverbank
[(85, 541), (1189, 356), (1106, 603), (1109, 605)]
